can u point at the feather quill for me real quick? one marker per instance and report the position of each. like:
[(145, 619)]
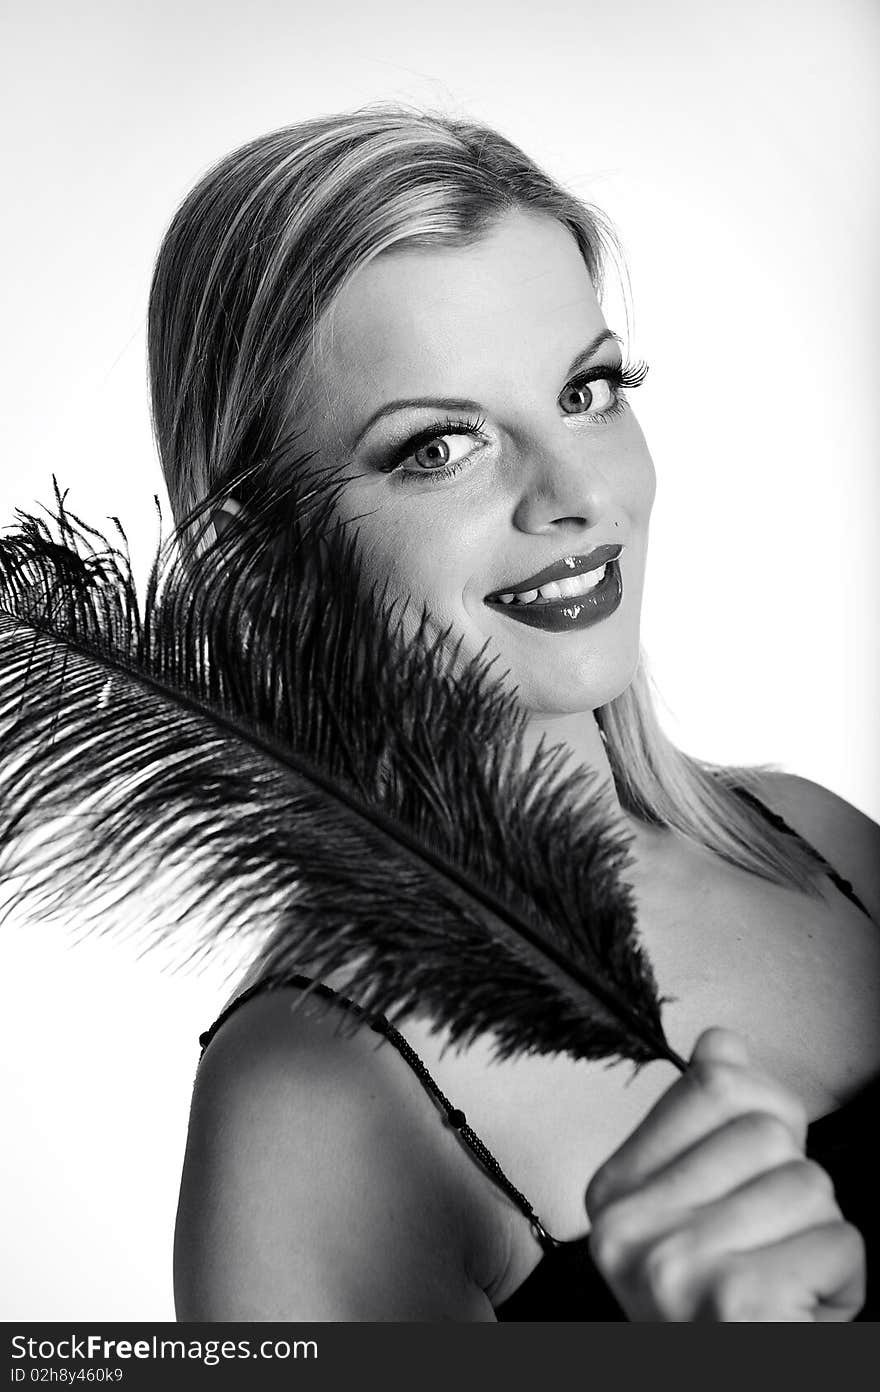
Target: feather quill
[(329, 787)]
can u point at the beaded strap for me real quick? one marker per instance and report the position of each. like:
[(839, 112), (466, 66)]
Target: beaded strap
[(844, 885), (454, 1116)]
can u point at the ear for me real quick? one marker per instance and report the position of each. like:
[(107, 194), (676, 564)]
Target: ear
[(220, 518)]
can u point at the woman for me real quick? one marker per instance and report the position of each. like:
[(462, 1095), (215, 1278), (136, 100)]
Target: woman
[(422, 303)]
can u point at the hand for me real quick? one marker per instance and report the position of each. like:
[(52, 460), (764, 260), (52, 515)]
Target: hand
[(710, 1210)]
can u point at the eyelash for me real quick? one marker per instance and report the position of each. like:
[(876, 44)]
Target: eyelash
[(621, 376)]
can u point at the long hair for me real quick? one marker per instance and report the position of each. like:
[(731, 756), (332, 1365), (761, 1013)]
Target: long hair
[(251, 263)]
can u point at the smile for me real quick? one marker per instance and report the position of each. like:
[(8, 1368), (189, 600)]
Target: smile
[(561, 605)]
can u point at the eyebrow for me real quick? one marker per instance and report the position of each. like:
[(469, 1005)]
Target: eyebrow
[(448, 403)]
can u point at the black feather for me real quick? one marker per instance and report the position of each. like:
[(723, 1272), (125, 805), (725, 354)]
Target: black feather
[(332, 790)]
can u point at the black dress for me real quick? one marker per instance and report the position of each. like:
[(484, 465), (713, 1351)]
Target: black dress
[(565, 1284)]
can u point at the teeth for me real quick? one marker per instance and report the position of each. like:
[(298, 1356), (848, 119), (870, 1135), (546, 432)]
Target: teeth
[(575, 584), (569, 588)]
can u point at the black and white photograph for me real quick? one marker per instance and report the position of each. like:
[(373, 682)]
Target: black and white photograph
[(439, 664)]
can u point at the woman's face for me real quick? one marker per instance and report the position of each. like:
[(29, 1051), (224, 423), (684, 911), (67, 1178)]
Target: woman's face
[(450, 382)]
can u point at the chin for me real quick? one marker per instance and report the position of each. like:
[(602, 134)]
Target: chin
[(565, 687), (561, 673), (553, 675)]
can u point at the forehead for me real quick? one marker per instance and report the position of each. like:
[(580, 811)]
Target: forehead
[(438, 320)]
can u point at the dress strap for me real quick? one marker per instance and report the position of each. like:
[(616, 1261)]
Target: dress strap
[(454, 1116), (843, 885)]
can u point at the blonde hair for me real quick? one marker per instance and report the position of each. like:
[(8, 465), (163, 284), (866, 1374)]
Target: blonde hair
[(253, 260)]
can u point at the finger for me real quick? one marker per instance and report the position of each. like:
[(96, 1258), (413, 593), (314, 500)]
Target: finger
[(716, 1045), (744, 1149), (717, 1049), (818, 1274), (767, 1209), (710, 1094)]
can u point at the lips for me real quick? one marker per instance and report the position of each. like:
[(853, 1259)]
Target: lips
[(571, 613), (560, 570)]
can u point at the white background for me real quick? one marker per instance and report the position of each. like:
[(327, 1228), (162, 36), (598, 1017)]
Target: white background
[(735, 144)]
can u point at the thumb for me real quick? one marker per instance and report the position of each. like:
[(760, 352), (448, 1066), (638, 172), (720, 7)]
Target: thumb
[(718, 1045)]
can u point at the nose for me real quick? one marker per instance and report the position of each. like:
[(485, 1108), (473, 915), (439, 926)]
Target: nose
[(561, 487)]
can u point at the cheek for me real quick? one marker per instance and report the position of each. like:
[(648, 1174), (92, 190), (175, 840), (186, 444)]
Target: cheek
[(630, 474), (420, 559), (644, 492), (641, 477)]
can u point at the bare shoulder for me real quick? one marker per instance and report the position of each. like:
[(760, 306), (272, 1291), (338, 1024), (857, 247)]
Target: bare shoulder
[(848, 838), (321, 1182)]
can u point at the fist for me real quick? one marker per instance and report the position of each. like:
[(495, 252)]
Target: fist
[(711, 1211)]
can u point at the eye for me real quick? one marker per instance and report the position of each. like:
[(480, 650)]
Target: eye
[(598, 393), (442, 450), (579, 397), (438, 451)]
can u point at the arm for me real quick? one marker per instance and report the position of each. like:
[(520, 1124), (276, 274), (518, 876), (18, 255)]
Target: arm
[(847, 838), (320, 1183)]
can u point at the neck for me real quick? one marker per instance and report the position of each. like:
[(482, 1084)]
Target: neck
[(579, 732)]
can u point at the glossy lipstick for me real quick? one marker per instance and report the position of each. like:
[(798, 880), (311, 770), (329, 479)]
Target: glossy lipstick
[(569, 611)]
